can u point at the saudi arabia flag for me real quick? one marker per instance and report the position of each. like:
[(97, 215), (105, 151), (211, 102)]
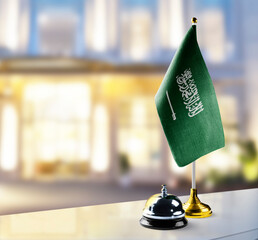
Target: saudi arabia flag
[(187, 105)]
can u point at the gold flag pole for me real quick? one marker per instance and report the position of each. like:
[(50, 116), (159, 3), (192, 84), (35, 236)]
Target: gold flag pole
[(194, 208)]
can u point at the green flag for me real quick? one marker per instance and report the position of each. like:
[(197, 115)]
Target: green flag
[(187, 105)]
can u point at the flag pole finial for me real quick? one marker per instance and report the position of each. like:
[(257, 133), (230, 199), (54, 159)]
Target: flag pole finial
[(194, 21)]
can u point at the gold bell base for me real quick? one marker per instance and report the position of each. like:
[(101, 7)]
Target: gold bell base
[(194, 208)]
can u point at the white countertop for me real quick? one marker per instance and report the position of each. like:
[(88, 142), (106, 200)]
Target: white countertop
[(235, 216)]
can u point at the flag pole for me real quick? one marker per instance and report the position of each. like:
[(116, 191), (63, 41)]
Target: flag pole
[(193, 176), (194, 22), (194, 208)]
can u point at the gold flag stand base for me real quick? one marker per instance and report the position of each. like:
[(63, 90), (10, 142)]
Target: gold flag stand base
[(194, 208)]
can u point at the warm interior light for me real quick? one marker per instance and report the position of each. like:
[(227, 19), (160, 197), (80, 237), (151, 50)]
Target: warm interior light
[(56, 124), (9, 138), (100, 158)]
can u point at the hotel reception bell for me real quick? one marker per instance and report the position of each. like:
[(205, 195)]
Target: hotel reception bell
[(163, 211)]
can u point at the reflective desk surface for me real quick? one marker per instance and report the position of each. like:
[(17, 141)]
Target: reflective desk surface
[(235, 216)]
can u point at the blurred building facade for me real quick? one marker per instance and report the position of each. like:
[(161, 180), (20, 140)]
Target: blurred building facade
[(78, 79)]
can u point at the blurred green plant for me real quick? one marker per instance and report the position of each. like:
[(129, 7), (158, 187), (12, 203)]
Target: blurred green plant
[(216, 178), (249, 159), (124, 163)]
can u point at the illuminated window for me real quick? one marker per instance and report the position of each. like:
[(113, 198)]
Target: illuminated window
[(57, 32), (170, 23), (9, 11), (96, 25), (213, 35), (9, 136), (139, 135), (56, 130)]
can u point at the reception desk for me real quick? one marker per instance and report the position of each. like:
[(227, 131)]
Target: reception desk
[(235, 216)]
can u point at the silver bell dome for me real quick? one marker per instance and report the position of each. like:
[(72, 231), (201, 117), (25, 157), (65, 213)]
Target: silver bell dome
[(163, 211)]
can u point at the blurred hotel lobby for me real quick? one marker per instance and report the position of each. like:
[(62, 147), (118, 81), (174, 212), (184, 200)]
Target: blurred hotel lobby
[(78, 122)]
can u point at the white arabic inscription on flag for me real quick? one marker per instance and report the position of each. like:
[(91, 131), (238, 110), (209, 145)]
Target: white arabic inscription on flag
[(189, 92)]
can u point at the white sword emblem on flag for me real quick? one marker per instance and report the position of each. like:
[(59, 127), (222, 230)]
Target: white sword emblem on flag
[(172, 110)]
